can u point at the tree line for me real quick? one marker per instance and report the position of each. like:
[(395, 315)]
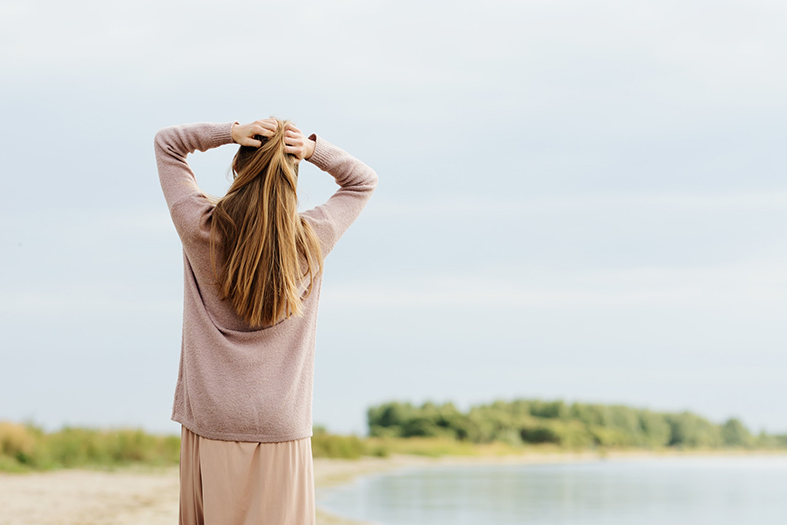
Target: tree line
[(576, 425)]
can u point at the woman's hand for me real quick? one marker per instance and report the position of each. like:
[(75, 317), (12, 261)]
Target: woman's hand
[(243, 134), (297, 144)]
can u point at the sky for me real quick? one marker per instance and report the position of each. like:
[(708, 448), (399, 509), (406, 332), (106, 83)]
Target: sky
[(577, 200)]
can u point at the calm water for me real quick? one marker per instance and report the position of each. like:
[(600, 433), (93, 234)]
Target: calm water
[(696, 491)]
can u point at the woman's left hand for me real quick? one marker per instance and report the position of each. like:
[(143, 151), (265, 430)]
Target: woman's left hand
[(296, 143), (243, 134)]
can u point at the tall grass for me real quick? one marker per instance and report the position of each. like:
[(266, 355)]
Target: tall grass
[(327, 445), (27, 447)]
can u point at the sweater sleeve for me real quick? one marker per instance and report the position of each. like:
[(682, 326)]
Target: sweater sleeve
[(172, 144), (357, 182)]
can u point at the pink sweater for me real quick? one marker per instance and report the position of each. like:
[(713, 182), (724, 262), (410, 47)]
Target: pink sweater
[(237, 383)]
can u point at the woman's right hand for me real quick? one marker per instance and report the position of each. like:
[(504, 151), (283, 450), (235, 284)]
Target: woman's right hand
[(243, 134)]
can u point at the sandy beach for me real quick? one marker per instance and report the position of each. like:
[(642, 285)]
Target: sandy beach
[(147, 495)]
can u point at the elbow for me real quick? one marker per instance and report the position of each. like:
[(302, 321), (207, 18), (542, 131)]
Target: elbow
[(161, 138), (158, 139)]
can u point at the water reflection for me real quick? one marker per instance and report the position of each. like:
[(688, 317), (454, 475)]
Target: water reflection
[(679, 491)]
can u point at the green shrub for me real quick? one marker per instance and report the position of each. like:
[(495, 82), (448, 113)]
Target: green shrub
[(336, 446)]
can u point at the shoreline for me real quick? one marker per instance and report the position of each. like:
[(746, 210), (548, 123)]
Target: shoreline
[(144, 494), (330, 472)]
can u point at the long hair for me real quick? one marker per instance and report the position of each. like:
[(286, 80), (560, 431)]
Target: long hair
[(260, 248)]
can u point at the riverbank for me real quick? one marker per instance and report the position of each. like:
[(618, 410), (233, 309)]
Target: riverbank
[(149, 495)]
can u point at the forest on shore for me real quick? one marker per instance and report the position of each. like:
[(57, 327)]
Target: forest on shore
[(576, 425)]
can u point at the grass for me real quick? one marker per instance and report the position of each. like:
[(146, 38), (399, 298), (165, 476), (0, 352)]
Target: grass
[(25, 447)]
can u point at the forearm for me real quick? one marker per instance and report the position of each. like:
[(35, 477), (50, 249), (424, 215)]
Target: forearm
[(346, 170), (357, 180), (172, 145)]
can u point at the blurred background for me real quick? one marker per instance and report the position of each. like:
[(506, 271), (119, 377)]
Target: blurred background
[(581, 201)]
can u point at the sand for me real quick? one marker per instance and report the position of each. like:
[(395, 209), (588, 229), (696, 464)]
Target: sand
[(137, 495), (145, 495)]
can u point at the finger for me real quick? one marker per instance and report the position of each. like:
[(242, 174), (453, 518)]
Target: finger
[(268, 126), (295, 137), (267, 123), (260, 130), (251, 142)]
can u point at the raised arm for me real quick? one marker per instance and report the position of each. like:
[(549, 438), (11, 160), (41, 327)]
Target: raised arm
[(357, 182), (172, 144)]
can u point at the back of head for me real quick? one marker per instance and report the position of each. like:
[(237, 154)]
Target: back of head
[(261, 248)]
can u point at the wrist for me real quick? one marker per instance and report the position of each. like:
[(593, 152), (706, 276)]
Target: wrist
[(311, 144), (232, 131)]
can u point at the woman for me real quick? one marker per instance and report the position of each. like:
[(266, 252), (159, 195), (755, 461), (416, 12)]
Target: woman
[(252, 278)]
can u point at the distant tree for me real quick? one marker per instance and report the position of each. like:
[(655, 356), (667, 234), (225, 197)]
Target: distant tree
[(520, 408), (589, 414), (655, 428), (690, 430), (735, 434), (549, 409), (426, 426), (390, 414)]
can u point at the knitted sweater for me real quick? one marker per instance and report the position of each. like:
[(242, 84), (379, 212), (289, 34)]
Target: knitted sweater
[(235, 382)]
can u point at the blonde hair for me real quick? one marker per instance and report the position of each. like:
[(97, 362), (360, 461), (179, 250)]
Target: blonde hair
[(258, 242)]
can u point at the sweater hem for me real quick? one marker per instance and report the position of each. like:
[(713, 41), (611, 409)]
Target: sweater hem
[(235, 436), (321, 156), (220, 134)]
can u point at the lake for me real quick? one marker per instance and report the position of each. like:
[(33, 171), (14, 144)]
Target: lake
[(689, 490)]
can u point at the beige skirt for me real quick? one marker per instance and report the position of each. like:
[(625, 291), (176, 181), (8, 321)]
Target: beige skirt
[(243, 483)]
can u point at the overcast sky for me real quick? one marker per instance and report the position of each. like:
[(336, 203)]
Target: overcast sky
[(577, 200)]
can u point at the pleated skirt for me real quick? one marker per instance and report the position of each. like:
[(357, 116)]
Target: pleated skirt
[(243, 483)]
